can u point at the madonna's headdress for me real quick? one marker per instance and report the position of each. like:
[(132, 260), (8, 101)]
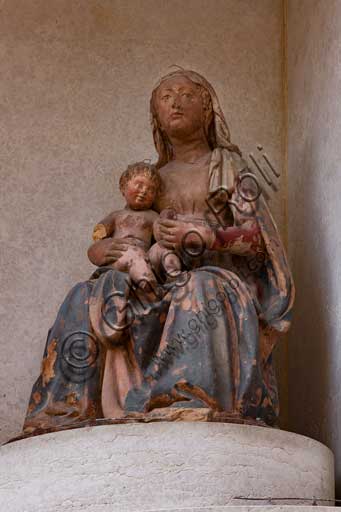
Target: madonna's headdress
[(216, 129)]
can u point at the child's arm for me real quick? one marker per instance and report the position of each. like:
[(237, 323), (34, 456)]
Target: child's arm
[(105, 228)]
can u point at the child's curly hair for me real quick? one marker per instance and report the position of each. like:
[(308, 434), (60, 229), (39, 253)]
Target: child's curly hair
[(147, 169)]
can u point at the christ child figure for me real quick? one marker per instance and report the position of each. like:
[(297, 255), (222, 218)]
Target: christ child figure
[(139, 185)]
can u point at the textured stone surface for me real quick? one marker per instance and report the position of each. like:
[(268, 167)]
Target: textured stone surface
[(257, 508), (161, 466), (314, 179), (228, 508), (232, 508), (76, 78)]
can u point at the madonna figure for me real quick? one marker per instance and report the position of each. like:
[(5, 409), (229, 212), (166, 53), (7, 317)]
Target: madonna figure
[(199, 346)]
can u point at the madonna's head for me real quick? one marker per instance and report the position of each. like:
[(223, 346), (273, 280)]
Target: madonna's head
[(184, 105)]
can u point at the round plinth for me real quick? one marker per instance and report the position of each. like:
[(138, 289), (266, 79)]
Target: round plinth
[(162, 466)]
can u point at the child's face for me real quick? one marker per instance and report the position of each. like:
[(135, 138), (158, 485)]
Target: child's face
[(140, 192)]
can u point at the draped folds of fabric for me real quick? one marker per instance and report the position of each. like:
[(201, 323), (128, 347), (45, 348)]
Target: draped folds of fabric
[(201, 341)]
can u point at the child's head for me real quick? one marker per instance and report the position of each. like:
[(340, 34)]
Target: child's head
[(139, 184)]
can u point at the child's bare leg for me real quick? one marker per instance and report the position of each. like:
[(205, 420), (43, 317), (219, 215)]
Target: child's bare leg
[(134, 261), (164, 261), (141, 274)]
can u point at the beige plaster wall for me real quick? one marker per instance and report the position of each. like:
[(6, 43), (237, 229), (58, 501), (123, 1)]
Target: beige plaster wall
[(76, 77), (314, 49)]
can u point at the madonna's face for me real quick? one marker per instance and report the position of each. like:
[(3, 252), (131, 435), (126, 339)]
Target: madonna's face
[(179, 107)]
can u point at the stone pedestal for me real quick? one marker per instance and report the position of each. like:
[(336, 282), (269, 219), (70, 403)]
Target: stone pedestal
[(164, 467)]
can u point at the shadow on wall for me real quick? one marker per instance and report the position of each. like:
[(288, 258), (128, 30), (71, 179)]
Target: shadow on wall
[(311, 336)]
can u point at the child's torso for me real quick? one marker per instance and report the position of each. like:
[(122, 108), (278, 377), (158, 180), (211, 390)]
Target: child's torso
[(136, 225)]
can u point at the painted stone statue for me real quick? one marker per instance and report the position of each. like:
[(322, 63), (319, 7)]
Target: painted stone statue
[(195, 341)]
